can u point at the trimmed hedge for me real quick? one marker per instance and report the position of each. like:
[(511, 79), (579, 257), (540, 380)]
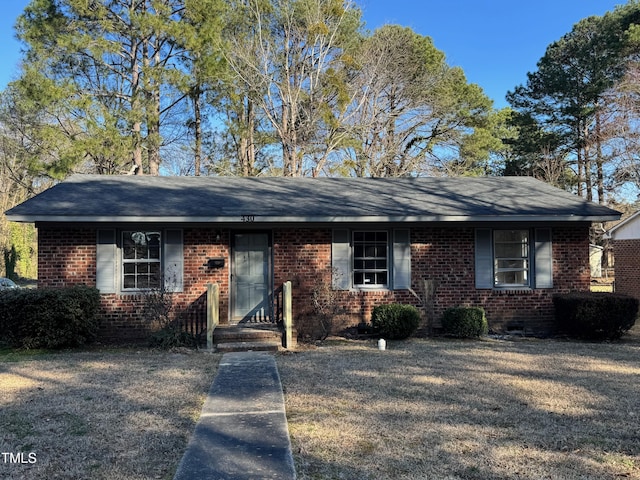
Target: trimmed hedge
[(595, 315), (465, 322), (49, 318), (395, 321)]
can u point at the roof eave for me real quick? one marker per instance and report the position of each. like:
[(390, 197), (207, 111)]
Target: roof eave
[(309, 219)]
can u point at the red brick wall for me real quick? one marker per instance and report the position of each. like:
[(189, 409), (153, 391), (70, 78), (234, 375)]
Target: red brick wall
[(68, 257), (627, 255), (444, 255)]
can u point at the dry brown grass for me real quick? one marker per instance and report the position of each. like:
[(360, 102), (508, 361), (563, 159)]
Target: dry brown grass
[(447, 409), (122, 414)]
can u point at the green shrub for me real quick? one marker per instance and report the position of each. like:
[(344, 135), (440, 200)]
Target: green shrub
[(395, 321), (595, 315), (465, 322), (172, 336), (49, 318)]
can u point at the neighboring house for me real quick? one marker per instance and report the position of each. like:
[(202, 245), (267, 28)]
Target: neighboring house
[(595, 260), (505, 244), (626, 250)]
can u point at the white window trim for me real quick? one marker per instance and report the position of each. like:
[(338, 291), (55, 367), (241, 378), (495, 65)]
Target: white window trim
[(387, 259), (527, 259), (123, 261)]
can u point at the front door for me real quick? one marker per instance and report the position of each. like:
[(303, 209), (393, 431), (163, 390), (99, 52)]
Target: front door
[(250, 278)]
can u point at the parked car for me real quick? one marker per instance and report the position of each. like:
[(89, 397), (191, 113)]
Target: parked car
[(7, 283)]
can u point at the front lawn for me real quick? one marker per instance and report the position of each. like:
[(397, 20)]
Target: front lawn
[(108, 414), (422, 409), (450, 409)]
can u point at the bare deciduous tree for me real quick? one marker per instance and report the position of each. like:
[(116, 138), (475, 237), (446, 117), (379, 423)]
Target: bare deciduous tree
[(282, 59)]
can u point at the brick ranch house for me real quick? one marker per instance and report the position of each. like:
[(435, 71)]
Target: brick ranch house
[(506, 244), (625, 237)]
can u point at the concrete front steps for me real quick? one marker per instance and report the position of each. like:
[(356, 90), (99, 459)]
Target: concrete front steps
[(236, 338)]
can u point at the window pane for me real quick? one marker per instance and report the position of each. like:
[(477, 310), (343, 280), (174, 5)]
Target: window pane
[(512, 278), (143, 282), (128, 247), (153, 240), (142, 251), (129, 281), (504, 264), (512, 250), (154, 275)]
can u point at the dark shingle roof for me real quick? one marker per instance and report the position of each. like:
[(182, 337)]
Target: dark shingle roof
[(99, 198)]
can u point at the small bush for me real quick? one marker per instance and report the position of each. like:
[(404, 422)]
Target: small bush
[(395, 321), (321, 321), (172, 336), (465, 322), (595, 315), (49, 318)]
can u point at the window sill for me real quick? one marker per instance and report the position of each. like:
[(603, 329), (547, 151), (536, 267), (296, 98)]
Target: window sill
[(513, 290), (363, 288)]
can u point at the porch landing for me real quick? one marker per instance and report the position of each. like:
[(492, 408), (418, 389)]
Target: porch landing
[(242, 432)]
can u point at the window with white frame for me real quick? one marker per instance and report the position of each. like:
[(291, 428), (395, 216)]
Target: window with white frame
[(141, 265), (511, 258), (371, 258)]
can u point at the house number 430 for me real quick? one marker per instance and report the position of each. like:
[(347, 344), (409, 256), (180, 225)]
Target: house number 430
[(248, 218)]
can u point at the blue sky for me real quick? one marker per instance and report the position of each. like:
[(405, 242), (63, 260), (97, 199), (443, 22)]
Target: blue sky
[(496, 42)]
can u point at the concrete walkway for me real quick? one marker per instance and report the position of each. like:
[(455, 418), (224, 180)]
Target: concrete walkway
[(242, 432)]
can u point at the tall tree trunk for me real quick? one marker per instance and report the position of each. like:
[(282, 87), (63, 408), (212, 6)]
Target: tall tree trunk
[(586, 157), (288, 144), (153, 115), (135, 107), (197, 131), (580, 174), (246, 147), (599, 159)]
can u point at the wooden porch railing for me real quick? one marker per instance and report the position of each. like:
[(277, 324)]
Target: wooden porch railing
[(282, 312), (287, 315), (213, 311)]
